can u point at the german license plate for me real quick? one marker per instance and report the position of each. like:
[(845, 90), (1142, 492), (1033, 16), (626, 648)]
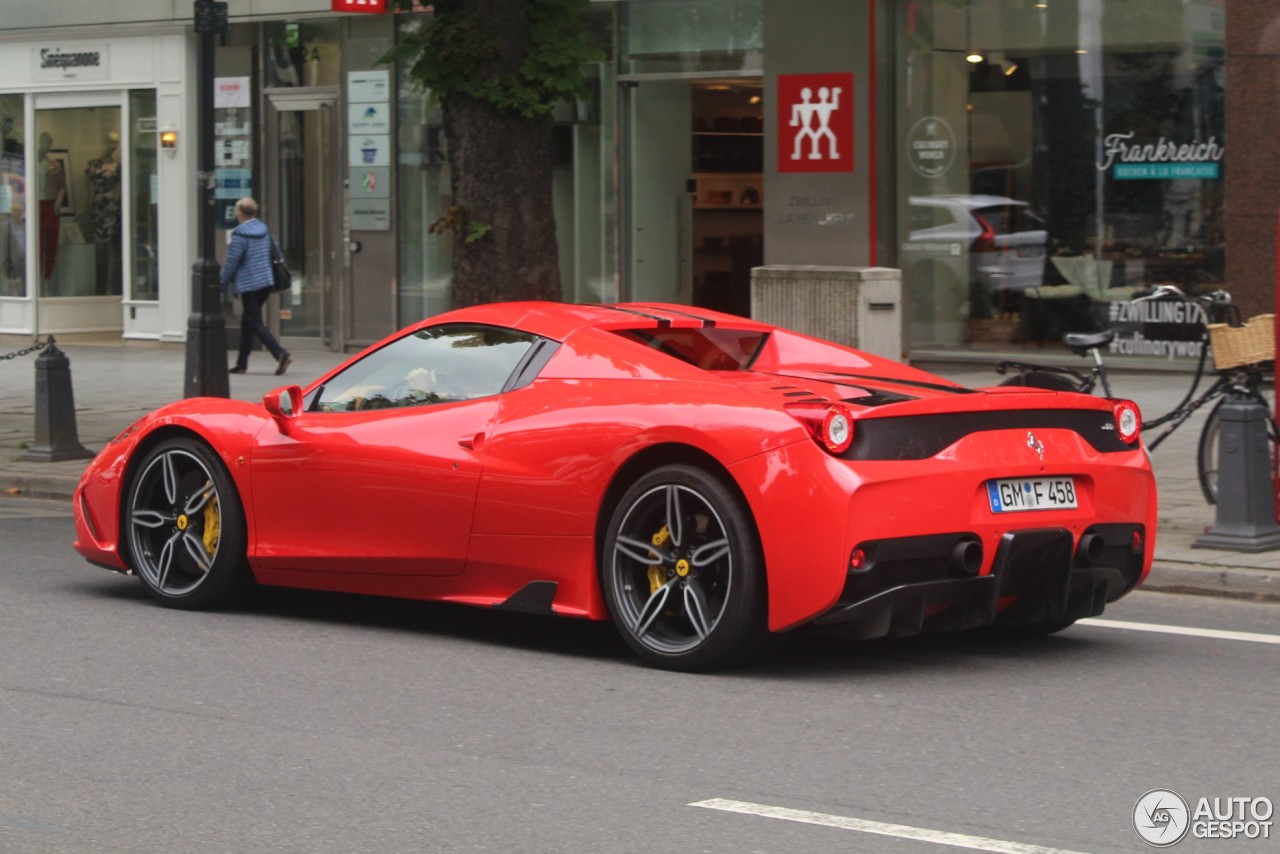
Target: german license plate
[(1035, 493)]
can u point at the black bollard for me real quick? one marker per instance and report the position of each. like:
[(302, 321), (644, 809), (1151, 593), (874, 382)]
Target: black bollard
[(56, 437), (1246, 517)]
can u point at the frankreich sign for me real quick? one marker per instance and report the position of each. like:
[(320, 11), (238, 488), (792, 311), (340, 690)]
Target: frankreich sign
[(1161, 159)]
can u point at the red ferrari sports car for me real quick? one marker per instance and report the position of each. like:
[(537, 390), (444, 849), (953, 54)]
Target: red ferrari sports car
[(702, 480)]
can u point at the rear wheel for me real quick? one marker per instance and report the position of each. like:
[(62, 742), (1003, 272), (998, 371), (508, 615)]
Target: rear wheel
[(185, 527), (682, 571)]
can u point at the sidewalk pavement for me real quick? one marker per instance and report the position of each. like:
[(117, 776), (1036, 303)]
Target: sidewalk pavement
[(116, 382)]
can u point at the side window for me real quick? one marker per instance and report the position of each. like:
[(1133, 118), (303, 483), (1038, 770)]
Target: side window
[(434, 365)]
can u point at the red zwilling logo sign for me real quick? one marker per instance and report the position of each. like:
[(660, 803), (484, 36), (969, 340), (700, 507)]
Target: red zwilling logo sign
[(815, 122), (375, 6)]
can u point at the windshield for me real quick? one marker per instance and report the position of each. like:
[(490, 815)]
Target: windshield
[(434, 365)]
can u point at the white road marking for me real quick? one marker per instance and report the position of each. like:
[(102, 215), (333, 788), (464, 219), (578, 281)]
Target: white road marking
[(1156, 628), (901, 831)]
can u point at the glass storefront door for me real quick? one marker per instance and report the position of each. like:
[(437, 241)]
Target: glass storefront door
[(78, 201), (144, 191), (302, 205), (696, 154)]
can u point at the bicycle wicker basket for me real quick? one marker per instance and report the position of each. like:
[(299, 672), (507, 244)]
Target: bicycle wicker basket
[(1248, 344)]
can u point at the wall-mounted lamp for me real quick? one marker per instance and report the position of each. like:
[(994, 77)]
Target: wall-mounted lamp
[(169, 141), (974, 57)]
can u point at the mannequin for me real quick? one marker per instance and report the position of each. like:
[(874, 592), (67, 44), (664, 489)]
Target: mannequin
[(52, 179), (10, 145), (104, 211), (104, 188)]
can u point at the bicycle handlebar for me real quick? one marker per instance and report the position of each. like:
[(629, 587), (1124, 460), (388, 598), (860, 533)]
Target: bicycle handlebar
[(1168, 290)]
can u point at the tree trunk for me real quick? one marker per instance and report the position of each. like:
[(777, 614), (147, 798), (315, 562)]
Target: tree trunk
[(500, 167)]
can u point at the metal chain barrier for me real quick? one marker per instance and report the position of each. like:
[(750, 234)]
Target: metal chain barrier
[(27, 351)]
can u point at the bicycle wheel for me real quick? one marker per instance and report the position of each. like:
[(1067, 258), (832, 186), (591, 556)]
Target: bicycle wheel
[(1207, 455)]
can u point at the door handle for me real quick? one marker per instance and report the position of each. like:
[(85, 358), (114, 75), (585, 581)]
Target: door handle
[(472, 443)]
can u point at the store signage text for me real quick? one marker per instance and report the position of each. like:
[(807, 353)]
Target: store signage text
[(1167, 329), (374, 7), (932, 147), (81, 63), (815, 122), (231, 92), (1162, 159)]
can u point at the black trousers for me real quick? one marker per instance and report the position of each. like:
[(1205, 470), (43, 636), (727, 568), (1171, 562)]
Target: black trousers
[(251, 325)]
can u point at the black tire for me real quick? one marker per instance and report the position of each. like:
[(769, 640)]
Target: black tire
[(1042, 379), (1207, 454), (683, 573), (184, 525)]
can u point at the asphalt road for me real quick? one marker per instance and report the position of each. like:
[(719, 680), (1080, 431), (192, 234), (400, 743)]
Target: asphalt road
[(335, 723)]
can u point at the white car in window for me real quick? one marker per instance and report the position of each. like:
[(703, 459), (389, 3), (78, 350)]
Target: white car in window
[(1003, 241)]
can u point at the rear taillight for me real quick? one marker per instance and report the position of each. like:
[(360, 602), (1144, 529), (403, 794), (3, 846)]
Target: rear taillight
[(837, 429), (831, 424), (986, 241), (1128, 420)]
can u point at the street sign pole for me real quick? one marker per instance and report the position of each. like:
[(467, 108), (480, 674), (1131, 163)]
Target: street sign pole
[(206, 365)]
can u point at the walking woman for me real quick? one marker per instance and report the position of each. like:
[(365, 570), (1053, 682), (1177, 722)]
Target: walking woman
[(249, 266)]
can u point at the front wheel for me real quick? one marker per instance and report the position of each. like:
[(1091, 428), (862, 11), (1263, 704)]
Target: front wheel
[(185, 527), (682, 571)]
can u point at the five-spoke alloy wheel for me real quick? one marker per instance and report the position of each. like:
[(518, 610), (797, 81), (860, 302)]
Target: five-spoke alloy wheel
[(682, 571), (185, 527)]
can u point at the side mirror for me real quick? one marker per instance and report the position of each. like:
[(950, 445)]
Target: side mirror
[(283, 403)]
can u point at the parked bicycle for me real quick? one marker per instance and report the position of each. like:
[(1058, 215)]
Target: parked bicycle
[(1241, 372)]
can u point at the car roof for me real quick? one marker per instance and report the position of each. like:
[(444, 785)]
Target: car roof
[(966, 201), (558, 320)]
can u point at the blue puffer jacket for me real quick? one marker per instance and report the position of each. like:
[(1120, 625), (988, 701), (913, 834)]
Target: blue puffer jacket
[(249, 257)]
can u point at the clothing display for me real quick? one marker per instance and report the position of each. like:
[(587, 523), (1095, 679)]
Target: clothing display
[(105, 204), (49, 225), (53, 188)]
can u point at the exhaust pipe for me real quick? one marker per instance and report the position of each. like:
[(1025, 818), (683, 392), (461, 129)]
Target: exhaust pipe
[(1091, 550), (965, 558)]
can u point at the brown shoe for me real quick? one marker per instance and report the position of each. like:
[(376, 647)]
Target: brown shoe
[(285, 361), (236, 370)]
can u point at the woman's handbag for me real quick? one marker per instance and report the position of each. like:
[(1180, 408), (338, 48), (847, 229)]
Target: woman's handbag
[(280, 275)]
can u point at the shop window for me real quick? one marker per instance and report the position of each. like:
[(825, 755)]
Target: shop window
[(79, 196), (13, 198), (303, 53), (144, 191), (674, 36), (1056, 157)]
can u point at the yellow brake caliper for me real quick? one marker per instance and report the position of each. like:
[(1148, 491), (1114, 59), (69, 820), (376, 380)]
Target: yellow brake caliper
[(656, 577), (212, 526)]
